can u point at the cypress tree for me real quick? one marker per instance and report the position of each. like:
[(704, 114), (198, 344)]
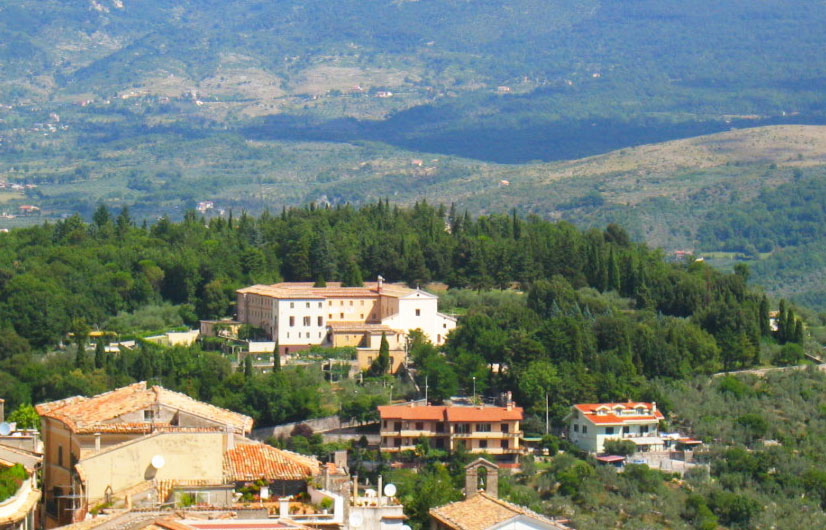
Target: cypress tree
[(276, 358), (382, 363), (781, 322), (80, 355), (613, 271), (798, 332), (788, 327), (248, 366), (100, 354), (763, 317)]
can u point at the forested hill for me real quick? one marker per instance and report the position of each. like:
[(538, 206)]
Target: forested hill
[(496, 80), (597, 306)]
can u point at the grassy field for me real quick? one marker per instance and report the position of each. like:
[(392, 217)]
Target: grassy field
[(9, 196)]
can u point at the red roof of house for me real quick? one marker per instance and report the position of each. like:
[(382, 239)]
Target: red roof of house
[(590, 411), (484, 413), (416, 413), (254, 460), (455, 413), (101, 413)]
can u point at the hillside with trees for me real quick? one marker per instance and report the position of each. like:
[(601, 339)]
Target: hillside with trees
[(564, 315), (599, 312)]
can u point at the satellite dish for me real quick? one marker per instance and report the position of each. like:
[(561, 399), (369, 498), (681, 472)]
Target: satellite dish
[(5, 429), (390, 490), (158, 461), (356, 519), (265, 493), (405, 527), (370, 492)]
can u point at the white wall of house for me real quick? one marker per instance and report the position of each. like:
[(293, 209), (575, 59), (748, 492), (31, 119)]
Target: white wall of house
[(590, 437), (419, 310), (301, 322)]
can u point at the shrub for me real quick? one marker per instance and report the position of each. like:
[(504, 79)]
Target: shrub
[(731, 385), (789, 354), (551, 443), (10, 480), (646, 480), (733, 509), (620, 447)]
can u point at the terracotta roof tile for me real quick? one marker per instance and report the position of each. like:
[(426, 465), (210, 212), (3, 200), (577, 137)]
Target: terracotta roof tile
[(99, 413), (418, 413), (483, 511), (254, 460), (305, 290), (484, 413), (455, 413), (590, 411)]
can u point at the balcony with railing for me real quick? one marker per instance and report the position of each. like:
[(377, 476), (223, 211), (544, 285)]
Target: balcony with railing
[(487, 435)]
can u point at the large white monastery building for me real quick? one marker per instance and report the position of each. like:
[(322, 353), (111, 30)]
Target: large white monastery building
[(299, 315)]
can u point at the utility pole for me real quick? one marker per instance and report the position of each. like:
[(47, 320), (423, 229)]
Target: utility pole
[(425, 390)]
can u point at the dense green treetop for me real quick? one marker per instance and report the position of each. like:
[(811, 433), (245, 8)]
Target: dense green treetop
[(600, 316)]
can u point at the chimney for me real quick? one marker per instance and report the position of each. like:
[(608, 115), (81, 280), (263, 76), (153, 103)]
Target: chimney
[(230, 438), (355, 489), (379, 282), (97, 442), (654, 406), (381, 492)]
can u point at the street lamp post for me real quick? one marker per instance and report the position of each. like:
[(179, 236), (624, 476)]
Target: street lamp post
[(474, 389)]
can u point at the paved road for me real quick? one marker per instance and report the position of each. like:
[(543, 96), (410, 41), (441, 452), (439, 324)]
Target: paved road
[(760, 372)]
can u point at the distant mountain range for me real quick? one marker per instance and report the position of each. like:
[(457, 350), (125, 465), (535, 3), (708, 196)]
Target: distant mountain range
[(586, 110)]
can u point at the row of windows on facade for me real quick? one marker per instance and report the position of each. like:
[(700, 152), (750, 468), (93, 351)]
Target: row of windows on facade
[(610, 430), (307, 335), (460, 428), (307, 320), (439, 443), (329, 303)]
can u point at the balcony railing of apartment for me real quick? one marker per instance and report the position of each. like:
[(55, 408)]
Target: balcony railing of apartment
[(395, 449), (405, 433), (487, 435), (496, 450)]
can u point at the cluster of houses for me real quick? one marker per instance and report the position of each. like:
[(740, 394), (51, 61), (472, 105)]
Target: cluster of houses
[(143, 456), (137, 456)]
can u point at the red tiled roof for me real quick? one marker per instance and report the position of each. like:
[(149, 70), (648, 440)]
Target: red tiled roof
[(609, 417), (483, 511), (416, 413), (484, 413), (306, 290), (252, 461), (99, 413), (456, 413)]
